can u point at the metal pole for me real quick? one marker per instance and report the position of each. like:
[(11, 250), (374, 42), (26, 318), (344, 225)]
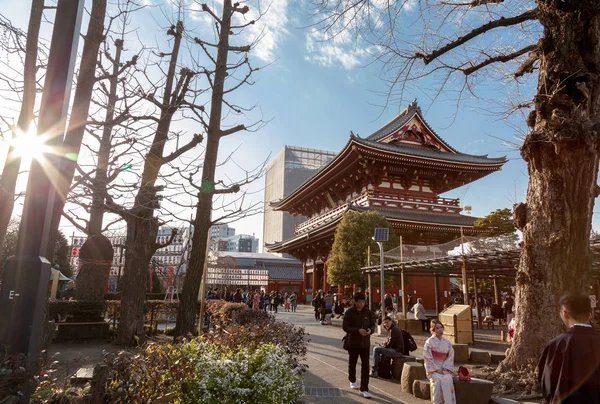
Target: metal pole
[(464, 269), (370, 279), (382, 305), (202, 292), (24, 289), (402, 279), (496, 296)]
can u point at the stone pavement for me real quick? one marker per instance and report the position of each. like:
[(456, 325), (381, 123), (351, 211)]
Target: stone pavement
[(327, 378)]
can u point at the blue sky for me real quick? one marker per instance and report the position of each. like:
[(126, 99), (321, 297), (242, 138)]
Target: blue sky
[(315, 93)]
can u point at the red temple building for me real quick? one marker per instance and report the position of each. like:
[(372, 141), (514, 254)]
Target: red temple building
[(399, 171)]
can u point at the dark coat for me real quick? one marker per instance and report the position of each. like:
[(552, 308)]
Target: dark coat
[(569, 369), (396, 340), (354, 320)]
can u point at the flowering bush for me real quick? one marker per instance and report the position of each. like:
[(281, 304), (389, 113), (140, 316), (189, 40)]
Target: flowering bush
[(198, 371)]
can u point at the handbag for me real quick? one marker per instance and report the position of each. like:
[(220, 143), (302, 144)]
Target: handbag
[(345, 342), (463, 374)]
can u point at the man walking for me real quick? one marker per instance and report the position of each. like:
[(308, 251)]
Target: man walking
[(393, 348), (359, 324), (569, 369)]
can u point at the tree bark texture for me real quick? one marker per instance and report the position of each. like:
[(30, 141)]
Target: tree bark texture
[(137, 258), (202, 222), (142, 226), (10, 172), (79, 112), (562, 156)]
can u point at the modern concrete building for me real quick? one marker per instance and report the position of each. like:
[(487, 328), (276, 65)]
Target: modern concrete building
[(221, 231), (289, 169), (171, 256), (238, 243)]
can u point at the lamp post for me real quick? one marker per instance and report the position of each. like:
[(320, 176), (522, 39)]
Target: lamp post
[(24, 288), (380, 236), (121, 248)]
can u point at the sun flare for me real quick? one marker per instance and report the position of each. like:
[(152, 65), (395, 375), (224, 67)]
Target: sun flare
[(29, 146)]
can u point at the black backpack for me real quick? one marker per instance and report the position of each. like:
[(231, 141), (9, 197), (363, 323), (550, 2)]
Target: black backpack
[(384, 370), (409, 343)]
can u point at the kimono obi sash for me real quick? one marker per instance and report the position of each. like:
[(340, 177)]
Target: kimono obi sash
[(439, 356)]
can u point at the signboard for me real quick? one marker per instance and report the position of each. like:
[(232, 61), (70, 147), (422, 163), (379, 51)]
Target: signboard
[(237, 276)]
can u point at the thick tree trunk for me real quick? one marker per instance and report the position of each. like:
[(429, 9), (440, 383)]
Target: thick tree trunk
[(189, 296), (79, 113), (10, 172), (562, 156), (141, 246)]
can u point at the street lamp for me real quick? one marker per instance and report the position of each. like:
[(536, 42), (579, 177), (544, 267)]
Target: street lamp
[(380, 236)]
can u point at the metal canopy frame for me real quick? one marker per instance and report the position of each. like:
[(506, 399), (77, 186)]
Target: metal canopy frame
[(490, 264)]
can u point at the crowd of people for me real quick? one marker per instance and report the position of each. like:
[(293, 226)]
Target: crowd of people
[(257, 299)]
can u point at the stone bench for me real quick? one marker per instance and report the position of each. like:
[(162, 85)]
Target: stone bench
[(411, 371), (398, 364), (461, 353), (422, 389), (476, 391), (497, 358), (480, 357)]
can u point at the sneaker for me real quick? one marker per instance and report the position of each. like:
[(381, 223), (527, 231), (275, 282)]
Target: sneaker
[(374, 375), (365, 394), (353, 386)]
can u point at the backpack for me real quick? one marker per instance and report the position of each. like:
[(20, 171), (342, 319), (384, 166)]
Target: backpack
[(384, 370), (409, 342)]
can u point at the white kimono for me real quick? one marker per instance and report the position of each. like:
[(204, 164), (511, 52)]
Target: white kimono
[(439, 364)]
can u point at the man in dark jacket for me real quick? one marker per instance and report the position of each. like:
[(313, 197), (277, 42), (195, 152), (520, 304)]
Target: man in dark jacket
[(393, 348), (359, 324), (569, 369)]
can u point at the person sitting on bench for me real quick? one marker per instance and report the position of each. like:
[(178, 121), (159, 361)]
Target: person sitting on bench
[(393, 348)]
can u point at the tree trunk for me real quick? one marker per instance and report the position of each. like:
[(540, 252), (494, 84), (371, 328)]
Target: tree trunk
[(137, 258), (142, 227), (100, 179), (79, 112), (10, 172), (562, 157), (202, 222)]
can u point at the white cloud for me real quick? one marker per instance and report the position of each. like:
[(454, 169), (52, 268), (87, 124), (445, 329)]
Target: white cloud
[(271, 27), (334, 51)]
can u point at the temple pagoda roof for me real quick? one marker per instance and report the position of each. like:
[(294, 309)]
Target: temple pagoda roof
[(405, 141), (416, 220)]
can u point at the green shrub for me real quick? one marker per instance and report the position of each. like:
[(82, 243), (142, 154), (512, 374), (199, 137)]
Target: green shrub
[(230, 309), (248, 316), (200, 372)]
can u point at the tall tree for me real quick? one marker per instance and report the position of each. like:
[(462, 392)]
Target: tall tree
[(28, 89), (497, 223), (560, 41), (348, 255), (218, 74)]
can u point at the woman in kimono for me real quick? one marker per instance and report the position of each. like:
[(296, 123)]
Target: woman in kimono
[(439, 364), (256, 300)]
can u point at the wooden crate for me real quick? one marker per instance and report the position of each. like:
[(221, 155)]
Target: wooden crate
[(458, 324)]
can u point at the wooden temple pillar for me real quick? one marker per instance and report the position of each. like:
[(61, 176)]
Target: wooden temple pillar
[(340, 292), (437, 294), (304, 284), (496, 294), (477, 308), (325, 287), (315, 279)]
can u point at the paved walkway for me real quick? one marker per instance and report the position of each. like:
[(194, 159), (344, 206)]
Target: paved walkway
[(327, 378)]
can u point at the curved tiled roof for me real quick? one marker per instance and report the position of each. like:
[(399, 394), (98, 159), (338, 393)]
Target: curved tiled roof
[(417, 216), (433, 153), (400, 120)]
